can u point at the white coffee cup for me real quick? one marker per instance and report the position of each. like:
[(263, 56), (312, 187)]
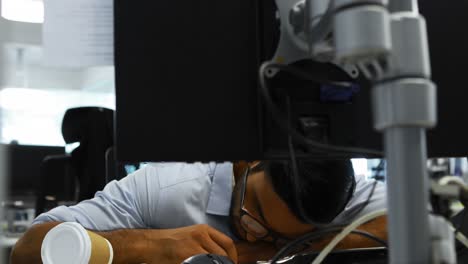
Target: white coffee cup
[(70, 243)]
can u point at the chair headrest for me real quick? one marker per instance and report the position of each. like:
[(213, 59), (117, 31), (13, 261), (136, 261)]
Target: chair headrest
[(80, 123)]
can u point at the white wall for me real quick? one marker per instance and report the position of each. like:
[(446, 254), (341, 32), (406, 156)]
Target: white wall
[(28, 36), (99, 79), (29, 72), (18, 32)]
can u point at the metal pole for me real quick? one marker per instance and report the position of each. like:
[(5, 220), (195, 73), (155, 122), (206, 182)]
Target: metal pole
[(404, 105), (2, 158), (2, 185), (405, 148), (403, 5), (407, 183)]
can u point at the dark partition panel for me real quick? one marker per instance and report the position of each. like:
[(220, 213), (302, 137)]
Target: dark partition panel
[(186, 76)]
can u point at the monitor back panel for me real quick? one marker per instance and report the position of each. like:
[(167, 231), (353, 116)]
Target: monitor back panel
[(186, 80)]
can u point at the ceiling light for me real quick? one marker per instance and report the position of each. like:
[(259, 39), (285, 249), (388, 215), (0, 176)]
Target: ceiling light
[(31, 11)]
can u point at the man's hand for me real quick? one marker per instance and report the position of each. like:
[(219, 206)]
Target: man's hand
[(135, 246), (172, 246)]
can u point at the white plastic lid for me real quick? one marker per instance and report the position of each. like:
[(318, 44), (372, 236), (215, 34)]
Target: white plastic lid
[(66, 243)]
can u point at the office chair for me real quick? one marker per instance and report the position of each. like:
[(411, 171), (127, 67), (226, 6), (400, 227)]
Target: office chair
[(57, 183), (78, 175), (114, 169)]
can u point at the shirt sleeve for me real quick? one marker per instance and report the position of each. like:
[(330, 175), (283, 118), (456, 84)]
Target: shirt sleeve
[(369, 196), (118, 206)]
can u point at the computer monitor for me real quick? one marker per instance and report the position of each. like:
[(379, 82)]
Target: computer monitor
[(23, 167), (187, 84)]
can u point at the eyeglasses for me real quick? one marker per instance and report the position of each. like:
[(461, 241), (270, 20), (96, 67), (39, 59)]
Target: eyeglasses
[(252, 225)]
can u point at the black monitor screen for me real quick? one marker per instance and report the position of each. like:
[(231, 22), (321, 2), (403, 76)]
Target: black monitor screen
[(23, 166)]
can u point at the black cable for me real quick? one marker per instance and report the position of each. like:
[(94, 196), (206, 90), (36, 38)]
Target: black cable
[(459, 225), (308, 238), (296, 179), (302, 240), (295, 171), (363, 206), (371, 237), (380, 168), (463, 217), (295, 135)]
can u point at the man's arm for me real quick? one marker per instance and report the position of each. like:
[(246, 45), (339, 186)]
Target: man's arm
[(28, 247), (126, 207), (127, 244), (139, 245)]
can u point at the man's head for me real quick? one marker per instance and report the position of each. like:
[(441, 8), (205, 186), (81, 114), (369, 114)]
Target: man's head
[(264, 193)]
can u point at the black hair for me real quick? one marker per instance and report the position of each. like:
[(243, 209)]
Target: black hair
[(324, 187)]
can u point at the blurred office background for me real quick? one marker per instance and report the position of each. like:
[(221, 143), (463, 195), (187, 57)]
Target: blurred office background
[(33, 100)]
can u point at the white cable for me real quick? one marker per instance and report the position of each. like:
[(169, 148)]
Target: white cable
[(351, 227), (453, 180), (460, 236)]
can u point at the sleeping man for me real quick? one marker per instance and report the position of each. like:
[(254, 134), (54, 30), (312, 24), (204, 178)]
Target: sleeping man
[(167, 212)]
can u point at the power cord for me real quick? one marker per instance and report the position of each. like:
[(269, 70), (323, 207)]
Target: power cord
[(296, 178), (378, 170), (284, 123), (295, 171), (308, 238), (318, 233), (457, 229), (351, 227)]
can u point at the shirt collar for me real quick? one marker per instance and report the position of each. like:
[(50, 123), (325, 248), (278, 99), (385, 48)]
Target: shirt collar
[(219, 201)]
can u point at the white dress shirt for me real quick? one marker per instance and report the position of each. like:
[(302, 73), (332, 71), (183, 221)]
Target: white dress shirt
[(172, 195)]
